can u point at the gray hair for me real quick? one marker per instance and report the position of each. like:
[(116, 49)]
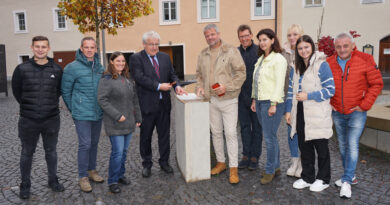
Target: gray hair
[(210, 26), (344, 35), (150, 34), (88, 38)]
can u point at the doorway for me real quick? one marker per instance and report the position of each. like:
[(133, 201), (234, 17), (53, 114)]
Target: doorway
[(384, 55), (63, 58), (177, 58)]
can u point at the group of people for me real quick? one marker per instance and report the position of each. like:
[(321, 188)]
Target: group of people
[(255, 84)]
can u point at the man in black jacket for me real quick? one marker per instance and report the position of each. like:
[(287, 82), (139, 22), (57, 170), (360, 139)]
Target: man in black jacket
[(250, 127), (154, 76), (36, 86)]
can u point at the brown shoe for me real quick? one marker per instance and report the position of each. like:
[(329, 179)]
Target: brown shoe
[(85, 186), (233, 178), (277, 172), (220, 167), (267, 178), (94, 176)]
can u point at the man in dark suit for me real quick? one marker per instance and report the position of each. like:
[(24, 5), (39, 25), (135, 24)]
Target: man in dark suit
[(154, 76)]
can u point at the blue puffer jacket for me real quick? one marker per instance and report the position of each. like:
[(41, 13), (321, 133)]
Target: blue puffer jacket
[(79, 86)]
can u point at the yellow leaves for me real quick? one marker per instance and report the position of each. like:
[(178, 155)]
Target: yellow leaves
[(115, 13)]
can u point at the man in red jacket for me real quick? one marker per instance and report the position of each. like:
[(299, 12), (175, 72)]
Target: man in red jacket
[(358, 83)]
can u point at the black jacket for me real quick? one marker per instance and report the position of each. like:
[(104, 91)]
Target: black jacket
[(250, 56), (147, 80), (37, 89)]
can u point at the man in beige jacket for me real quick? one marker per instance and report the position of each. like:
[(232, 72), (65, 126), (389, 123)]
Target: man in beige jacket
[(220, 74)]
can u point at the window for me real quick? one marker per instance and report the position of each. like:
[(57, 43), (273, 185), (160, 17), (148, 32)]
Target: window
[(208, 11), (169, 12), (20, 22), (59, 20), (23, 58), (314, 3), (370, 1), (262, 9)]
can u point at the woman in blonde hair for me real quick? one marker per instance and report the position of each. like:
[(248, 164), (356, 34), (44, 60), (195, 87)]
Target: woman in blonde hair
[(294, 32), (118, 99)]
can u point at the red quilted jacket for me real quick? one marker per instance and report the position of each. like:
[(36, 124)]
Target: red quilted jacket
[(359, 85)]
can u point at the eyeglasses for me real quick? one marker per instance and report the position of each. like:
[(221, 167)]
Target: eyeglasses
[(244, 36), (153, 44)]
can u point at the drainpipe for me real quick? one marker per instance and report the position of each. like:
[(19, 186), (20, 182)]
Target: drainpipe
[(276, 17)]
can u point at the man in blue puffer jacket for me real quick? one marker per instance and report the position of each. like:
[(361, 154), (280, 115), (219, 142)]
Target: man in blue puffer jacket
[(79, 90)]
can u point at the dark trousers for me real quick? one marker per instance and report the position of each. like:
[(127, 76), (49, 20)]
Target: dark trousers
[(308, 152), (162, 121), (251, 132), (29, 131)]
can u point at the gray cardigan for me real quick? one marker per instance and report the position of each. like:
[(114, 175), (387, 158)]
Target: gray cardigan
[(118, 97)]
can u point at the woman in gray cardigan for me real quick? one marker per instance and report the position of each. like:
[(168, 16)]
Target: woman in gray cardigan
[(118, 99)]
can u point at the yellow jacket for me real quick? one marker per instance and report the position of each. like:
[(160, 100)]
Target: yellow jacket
[(271, 78)]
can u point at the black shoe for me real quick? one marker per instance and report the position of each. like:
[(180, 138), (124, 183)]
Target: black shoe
[(56, 186), (253, 164), (146, 172), (24, 190), (123, 180), (167, 168), (244, 163), (114, 188)]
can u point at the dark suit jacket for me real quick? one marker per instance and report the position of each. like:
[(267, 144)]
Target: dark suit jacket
[(147, 80)]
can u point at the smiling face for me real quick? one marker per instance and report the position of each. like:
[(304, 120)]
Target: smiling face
[(305, 50), (40, 49), (88, 49), (212, 37), (119, 63), (292, 37), (151, 46), (344, 47), (245, 38), (265, 43)]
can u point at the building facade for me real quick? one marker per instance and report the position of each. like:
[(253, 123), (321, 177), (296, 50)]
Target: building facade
[(22, 20), (370, 18), (180, 24)]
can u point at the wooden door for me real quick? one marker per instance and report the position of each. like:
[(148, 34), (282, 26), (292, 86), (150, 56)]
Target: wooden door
[(384, 55), (62, 58), (167, 50)]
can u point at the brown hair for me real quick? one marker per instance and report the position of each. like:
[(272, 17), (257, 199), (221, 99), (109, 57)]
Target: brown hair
[(300, 66), (111, 69), (244, 27), (87, 38), (40, 38), (275, 47)]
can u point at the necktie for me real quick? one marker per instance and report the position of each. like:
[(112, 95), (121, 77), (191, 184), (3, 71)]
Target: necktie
[(156, 68)]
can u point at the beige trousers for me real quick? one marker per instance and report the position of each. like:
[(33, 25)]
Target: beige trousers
[(223, 117)]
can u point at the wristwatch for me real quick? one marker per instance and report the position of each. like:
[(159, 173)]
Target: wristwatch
[(274, 103)]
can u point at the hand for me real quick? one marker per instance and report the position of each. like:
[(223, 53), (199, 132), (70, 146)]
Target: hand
[(220, 90), (272, 110), (302, 96), (165, 86), (253, 106), (200, 92), (138, 124), (122, 119), (180, 90), (287, 116), (357, 108)]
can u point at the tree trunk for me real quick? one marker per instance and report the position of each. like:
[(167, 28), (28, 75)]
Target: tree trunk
[(97, 22)]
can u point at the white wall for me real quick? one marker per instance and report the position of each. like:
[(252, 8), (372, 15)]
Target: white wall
[(371, 21), (39, 15)]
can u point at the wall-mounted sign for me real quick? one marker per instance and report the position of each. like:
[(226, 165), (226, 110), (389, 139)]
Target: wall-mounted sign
[(386, 51), (369, 49)]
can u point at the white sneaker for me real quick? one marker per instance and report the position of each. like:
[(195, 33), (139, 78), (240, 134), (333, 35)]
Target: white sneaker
[(300, 184), (345, 191), (318, 186), (339, 183)]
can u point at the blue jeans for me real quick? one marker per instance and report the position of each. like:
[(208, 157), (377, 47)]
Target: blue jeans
[(349, 129), (88, 133), (292, 143), (116, 168), (270, 127), (251, 133)]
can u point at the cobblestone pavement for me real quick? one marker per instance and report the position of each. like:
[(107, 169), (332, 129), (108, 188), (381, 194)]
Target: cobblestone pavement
[(373, 174)]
